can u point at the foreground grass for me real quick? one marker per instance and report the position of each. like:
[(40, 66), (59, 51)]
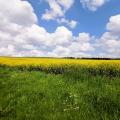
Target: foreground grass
[(73, 95)]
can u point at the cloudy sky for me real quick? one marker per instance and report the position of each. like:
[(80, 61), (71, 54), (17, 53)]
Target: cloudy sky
[(60, 28)]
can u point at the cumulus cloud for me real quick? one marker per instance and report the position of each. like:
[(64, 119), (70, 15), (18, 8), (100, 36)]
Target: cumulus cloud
[(110, 40), (23, 37), (71, 24), (16, 12), (57, 11), (114, 24), (92, 5), (57, 8)]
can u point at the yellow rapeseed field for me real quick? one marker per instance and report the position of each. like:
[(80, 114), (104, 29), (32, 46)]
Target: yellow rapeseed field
[(47, 62)]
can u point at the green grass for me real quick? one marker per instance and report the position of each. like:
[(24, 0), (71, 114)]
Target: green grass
[(75, 94)]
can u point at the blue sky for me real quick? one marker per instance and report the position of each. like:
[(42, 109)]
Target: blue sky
[(93, 22), (60, 28)]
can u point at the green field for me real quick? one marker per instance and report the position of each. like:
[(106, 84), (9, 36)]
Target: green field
[(76, 94)]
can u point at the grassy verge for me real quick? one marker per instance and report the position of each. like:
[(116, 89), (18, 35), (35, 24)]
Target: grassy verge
[(75, 94)]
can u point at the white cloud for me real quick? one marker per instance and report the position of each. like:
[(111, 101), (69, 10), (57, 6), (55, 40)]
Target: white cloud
[(84, 37), (60, 51), (62, 36), (9, 50), (16, 12), (114, 24), (93, 5), (110, 45), (20, 39), (71, 24), (66, 3), (110, 40), (57, 8), (57, 11)]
